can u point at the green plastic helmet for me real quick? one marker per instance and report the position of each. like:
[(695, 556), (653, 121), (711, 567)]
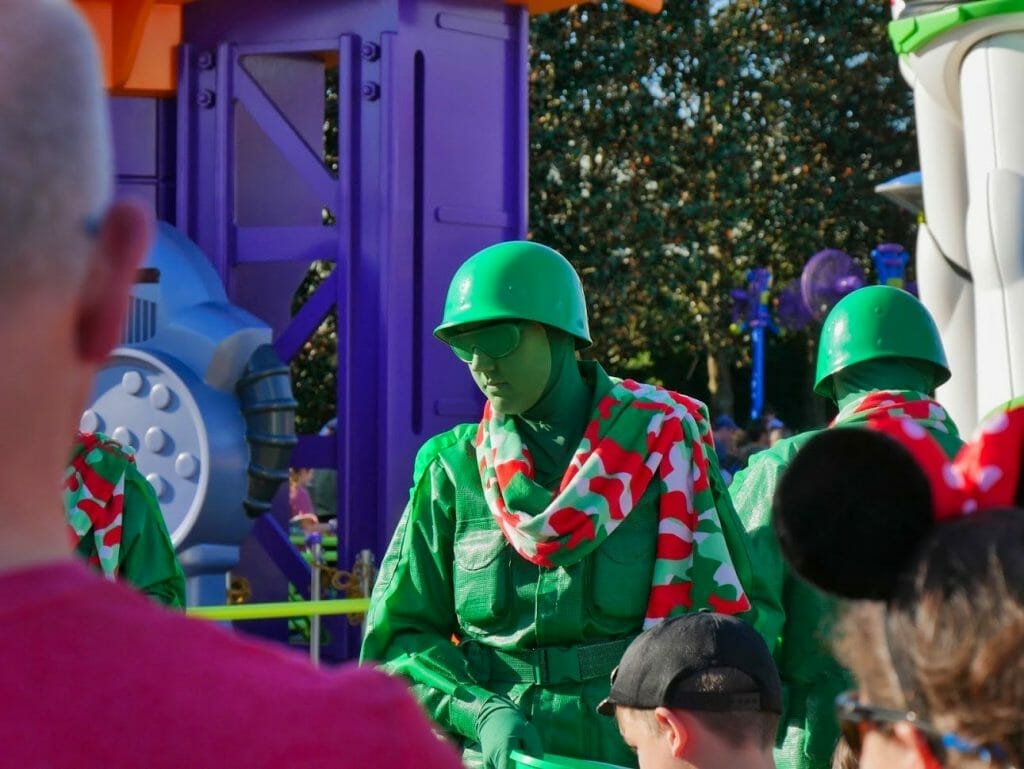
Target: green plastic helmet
[(517, 279), (877, 322)]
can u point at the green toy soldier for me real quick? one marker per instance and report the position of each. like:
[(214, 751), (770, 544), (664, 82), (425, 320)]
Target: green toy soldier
[(116, 522), (540, 541), (879, 354)]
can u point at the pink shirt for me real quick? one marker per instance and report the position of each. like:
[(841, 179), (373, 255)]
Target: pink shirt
[(299, 501), (93, 675)]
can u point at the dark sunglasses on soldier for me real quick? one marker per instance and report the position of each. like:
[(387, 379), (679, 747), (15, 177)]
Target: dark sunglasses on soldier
[(856, 719), (495, 341)]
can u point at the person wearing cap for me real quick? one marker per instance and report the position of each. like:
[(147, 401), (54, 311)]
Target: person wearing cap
[(698, 691), (544, 537), (879, 355)]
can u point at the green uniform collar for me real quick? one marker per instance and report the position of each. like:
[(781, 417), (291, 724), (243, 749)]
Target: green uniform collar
[(858, 380), (552, 427)]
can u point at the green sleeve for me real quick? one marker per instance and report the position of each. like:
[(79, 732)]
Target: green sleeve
[(411, 621), (430, 450), (147, 555), (752, 490), (765, 604)]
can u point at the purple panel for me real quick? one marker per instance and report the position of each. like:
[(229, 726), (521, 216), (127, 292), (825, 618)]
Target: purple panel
[(359, 321), (315, 451), (267, 585), (432, 167), (457, 178), (142, 192), (273, 244), (284, 137), (144, 151), (134, 126), (271, 21), (199, 146)]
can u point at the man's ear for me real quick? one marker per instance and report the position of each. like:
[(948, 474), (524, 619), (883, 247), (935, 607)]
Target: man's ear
[(916, 745), (103, 298), (674, 728)]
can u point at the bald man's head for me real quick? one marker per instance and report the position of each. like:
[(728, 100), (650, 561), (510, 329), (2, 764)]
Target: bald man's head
[(55, 160)]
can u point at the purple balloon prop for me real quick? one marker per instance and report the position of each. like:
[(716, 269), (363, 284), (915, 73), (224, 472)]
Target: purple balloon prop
[(791, 311), (828, 276)]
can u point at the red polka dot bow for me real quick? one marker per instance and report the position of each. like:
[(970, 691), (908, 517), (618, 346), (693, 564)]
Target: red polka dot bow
[(985, 472)]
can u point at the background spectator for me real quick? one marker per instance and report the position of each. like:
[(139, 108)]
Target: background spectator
[(699, 691), (95, 674)]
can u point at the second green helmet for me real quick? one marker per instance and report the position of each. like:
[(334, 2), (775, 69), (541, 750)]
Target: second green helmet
[(877, 322), (517, 279)]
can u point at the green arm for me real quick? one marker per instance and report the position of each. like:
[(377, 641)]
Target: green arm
[(752, 490), (412, 619), (765, 603), (147, 555)]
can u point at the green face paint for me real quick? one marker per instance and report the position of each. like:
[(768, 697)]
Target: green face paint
[(512, 380)]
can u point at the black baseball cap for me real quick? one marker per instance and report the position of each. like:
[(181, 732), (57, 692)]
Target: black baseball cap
[(663, 667)]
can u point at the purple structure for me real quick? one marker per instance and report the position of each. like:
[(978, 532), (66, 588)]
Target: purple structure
[(432, 116)]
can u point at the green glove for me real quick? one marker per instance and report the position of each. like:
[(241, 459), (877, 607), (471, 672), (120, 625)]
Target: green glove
[(502, 728)]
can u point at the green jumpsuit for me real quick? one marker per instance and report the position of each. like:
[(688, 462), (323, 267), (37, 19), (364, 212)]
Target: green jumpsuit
[(811, 677), (145, 555), (546, 638)]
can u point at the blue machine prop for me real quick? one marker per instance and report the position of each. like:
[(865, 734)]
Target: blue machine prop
[(199, 394)]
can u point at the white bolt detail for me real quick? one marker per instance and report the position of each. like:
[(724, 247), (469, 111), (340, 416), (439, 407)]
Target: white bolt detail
[(160, 397), (186, 465), (131, 382), (90, 422), (155, 439), (123, 436), (159, 487)]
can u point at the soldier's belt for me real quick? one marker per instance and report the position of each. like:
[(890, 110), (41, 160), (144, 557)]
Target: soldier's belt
[(546, 664)]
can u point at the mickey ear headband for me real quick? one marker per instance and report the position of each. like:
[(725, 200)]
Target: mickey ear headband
[(855, 504)]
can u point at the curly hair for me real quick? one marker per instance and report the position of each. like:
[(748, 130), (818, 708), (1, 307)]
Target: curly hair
[(949, 645)]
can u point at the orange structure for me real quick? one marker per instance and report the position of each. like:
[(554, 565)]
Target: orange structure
[(547, 6), (138, 39)]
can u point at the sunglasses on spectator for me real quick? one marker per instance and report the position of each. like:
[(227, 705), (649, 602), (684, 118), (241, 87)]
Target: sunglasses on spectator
[(495, 341), (856, 719)]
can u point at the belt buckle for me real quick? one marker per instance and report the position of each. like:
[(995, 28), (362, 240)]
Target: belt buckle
[(557, 665)]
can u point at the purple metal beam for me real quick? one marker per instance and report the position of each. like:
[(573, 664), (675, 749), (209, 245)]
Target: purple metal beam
[(309, 317), (432, 167), (283, 134), (305, 243)]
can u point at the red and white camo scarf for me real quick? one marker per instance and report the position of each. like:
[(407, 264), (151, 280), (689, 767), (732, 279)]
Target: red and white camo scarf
[(897, 404), (94, 497), (638, 433)]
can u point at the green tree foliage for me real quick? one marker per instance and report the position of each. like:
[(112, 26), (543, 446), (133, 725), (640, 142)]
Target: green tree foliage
[(669, 154), (315, 368)]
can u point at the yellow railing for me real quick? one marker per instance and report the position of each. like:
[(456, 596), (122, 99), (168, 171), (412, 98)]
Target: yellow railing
[(284, 610)]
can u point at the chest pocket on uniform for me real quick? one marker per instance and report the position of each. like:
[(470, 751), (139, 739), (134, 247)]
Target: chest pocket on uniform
[(621, 568), (482, 580)]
